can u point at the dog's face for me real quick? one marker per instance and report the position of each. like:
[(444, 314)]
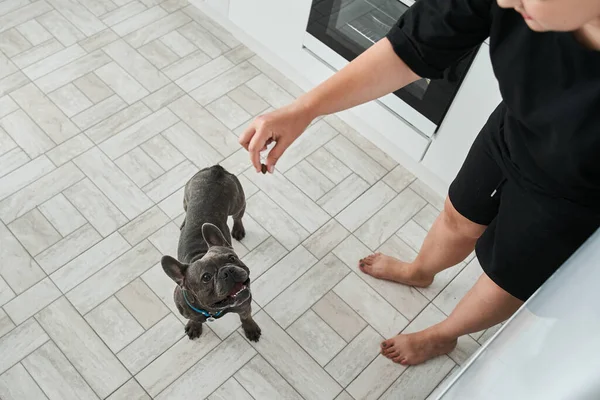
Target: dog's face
[(217, 281)]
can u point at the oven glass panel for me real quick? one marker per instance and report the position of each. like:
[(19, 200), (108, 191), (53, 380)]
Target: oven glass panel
[(349, 27)]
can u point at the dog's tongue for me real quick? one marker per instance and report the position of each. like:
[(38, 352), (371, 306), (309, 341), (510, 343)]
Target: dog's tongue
[(236, 288)]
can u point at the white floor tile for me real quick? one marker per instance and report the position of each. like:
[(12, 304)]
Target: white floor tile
[(162, 151), (231, 389), (248, 100), (139, 167), (164, 96), (142, 303), (6, 293), (281, 275), (290, 198), (129, 391), (121, 82), (316, 337), (99, 113), (151, 344), (375, 379), (326, 238), (113, 277), (61, 28), (18, 269), (74, 70), (114, 324), (89, 262), (25, 175), (17, 384), (220, 85), (314, 382), (102, 214), (355, 357), (308, 179), (357, 213), (271, 217), (32, 300), (84, 349), (205, 125), (312, 139), (259, 379), (170, 182), (192, 145), (118, 122), (370, 306), (359, 162), (21, 341), (420, 380), (305, 291), (157, 29), (26, 133), (70, 100), (130, 200), (343, 194), (390, 218), (171, 364), (132, 62), (56, 376), (213, 370)]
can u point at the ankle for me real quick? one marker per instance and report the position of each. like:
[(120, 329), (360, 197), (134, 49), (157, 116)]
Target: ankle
[(439, 333), (418, 273)]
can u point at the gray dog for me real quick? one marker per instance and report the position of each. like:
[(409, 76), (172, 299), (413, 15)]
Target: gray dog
[(211, 279)]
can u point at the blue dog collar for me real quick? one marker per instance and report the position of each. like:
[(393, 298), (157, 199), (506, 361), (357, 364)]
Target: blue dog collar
[(209, 317)]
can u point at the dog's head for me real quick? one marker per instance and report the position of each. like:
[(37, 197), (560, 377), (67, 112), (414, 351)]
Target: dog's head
[(217, 281)]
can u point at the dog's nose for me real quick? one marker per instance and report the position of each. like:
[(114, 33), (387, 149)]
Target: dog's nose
[(226, 272)]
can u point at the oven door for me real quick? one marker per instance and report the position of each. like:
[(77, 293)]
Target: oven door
[(340, 30)]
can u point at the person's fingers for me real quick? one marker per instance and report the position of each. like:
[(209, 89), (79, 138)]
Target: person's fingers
[(274, 154), (247, 135), (257, 143)]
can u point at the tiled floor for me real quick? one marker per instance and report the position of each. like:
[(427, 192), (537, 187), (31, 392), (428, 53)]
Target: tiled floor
[(107, 107)]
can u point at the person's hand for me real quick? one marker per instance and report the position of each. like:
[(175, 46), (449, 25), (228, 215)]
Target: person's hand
[(281, 126)]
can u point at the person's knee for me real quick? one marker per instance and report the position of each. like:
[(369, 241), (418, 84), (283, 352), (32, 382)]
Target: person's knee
[(460, 224)]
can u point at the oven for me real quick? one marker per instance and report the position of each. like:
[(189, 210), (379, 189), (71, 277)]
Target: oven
[(340, 30)]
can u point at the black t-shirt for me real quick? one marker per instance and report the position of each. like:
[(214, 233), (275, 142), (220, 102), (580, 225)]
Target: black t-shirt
[(550, 85)]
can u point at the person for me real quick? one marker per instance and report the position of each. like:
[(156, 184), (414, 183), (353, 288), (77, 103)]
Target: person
[(528, 193)]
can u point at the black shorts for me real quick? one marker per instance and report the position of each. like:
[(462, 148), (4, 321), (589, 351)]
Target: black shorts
[(529, 234)]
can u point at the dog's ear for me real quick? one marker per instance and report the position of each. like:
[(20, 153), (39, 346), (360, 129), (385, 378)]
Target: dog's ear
[(213, 236), (174, 269)]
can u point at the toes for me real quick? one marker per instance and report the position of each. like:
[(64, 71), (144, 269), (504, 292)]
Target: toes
[(387, 344), (400, 360)]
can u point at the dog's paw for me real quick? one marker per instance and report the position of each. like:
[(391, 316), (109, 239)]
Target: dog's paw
[(252, 331), (193, 329), (238, 232)]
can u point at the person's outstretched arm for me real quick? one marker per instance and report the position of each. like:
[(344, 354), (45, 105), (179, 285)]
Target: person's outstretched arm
[(375, 73), (429, 37)]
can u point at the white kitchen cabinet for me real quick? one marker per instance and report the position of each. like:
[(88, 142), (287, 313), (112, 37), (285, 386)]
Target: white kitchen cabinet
[(278, 25)]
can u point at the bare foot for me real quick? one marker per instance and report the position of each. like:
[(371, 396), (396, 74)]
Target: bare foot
[(389, 268), (416, 348)]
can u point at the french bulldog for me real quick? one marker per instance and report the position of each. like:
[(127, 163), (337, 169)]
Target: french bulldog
[(211, 279)]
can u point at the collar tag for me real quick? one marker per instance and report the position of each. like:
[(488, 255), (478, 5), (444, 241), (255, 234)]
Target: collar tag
[(210, 319)]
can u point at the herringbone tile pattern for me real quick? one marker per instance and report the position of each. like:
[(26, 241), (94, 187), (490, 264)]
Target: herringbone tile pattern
[(107, 107)]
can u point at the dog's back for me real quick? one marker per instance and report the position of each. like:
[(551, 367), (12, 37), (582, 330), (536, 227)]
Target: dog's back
[(211, 195)]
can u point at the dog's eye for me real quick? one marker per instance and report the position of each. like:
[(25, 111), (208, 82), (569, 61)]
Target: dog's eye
[(232, 258), (206, 277)]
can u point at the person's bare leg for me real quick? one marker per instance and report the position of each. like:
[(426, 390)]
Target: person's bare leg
[(449, 241), (484, 306)]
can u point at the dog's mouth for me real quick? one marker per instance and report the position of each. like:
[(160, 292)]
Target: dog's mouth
[(239, 290)]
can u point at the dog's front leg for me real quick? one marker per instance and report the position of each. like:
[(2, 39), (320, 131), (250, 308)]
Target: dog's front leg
[(250, 327), (194, 328)]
